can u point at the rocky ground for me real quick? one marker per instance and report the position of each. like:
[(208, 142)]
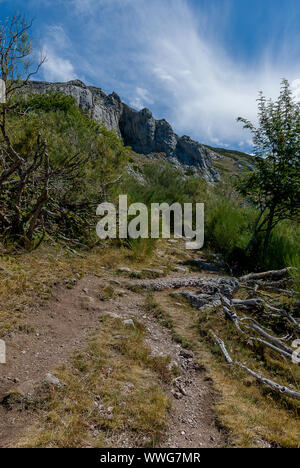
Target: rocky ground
[(164, 300), (64, 326)]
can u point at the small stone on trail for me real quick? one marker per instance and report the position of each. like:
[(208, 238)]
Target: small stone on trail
[(115, 282), (120, 337), (186, 354), (177, 395), (112, 314), (52, 380), (71, 281), (129, 323), (181, 269)]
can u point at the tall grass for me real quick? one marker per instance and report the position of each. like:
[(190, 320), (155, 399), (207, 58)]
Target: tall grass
[(229, 226), (229, 220)]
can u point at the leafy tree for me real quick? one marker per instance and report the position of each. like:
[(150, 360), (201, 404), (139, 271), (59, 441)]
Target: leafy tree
[(274, 186)]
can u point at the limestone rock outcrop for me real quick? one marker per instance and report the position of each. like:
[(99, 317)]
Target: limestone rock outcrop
[(138, 129)]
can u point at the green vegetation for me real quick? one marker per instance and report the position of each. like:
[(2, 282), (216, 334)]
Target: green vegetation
[(82, 157), (57, 166), (234, 154), (164, 183), (229, 220), (55, 161), (232, 163), (274, 187)]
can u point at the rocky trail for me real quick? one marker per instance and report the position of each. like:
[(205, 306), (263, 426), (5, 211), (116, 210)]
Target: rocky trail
[(63, 326), (76, 309)]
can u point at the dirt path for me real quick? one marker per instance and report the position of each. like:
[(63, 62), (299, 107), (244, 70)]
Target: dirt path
[(63, 325)]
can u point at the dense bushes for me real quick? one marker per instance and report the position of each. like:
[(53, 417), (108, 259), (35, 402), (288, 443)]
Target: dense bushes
[(229, 228), (69, 166), (229, 220), (49, 102), (164, 183), (84, 156)]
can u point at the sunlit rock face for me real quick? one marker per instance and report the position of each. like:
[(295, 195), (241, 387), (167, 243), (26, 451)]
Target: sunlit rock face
[(138, 129)]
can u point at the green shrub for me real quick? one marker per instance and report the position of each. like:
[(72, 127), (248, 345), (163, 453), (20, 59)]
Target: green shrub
[(51, 101), (97, 154)]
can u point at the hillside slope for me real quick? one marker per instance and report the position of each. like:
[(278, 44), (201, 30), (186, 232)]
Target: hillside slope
[(138, 129), (231, 162)]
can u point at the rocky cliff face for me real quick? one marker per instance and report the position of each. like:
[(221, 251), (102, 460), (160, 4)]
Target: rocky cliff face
[(138, 129)]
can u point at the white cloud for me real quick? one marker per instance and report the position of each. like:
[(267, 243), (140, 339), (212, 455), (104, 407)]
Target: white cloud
[(58, 37), (172, 58), (142, 98), (58, 49), (207, 88), (57, 68)]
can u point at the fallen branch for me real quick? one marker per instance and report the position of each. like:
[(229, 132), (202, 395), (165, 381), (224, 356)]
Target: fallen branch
[(248, 303), (269, 337), (273, 274), (259, 303), (274, 385), (281, 292), (274, 343), (222, 346), (283, 283)]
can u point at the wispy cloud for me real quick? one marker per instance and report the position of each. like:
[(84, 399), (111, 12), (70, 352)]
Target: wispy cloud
[(206, 87), (142, 98), (165, 56), (58, 67)]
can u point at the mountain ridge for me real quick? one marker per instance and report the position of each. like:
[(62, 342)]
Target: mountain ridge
[(138, 129)]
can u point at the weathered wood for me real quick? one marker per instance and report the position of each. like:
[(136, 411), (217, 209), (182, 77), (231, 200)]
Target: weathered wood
[(283, 350), (265, 381), (269, 337), (259, 303), (270, 345), (222, 346), (248, 303), (273, 274), (274, 385)]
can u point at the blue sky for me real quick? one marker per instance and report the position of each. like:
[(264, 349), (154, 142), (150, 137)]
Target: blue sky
[(197, 63)]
